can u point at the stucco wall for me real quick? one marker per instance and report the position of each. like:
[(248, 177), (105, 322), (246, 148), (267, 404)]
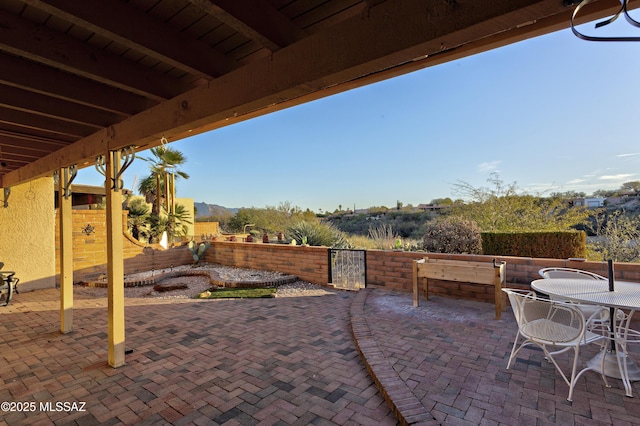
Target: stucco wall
[(189, 208), (27, 234), (205, 229)]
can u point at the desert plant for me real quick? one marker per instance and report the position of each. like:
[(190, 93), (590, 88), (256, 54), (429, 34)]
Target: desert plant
[(452, 234), (316, 233), (361, 242), (198, 250), (616, 237), (164, 161), (272, 219), (138, 218), (503, 207), (174, 224), (177, 221), (383, 236)]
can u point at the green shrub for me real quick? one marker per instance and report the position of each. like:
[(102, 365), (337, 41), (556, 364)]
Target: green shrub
[(554, 244), (452, 234)]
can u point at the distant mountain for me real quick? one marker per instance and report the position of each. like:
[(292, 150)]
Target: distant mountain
[(209, 210)]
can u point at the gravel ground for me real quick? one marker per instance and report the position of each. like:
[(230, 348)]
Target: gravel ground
[(198, 284)]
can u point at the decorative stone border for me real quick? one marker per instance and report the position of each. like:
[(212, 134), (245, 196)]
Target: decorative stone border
[(406, 406), (213, 277)]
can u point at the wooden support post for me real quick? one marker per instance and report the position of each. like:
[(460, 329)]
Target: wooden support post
[(66, 251), (172, 192), (416, 288), (157, 202), (115, 261)]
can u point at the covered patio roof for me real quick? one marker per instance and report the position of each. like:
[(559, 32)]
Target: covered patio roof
[(79, 79)]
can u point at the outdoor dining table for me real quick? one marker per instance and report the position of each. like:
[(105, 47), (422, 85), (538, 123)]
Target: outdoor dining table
[(625, 296)]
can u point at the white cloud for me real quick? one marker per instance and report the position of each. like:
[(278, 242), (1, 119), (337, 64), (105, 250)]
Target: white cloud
[(489, 166), (628, 155), (576, 181), (620, 176)]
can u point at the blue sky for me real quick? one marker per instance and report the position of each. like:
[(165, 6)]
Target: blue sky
[(554, 113)]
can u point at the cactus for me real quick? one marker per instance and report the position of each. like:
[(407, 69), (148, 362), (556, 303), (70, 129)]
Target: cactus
[(198, 250)]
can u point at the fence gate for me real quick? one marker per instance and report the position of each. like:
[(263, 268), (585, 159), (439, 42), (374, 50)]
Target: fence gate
[(347, 268)]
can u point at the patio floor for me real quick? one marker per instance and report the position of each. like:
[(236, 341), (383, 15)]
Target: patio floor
[(287, 361)]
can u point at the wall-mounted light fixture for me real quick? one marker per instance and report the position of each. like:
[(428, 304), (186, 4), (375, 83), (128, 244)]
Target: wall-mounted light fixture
[(7, 192)]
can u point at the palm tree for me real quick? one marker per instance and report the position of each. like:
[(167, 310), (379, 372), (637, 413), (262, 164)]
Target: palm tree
[(138, 218), (158, 187)]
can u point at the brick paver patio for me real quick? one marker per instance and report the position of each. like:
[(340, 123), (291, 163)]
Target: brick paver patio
[(234, 362), (288, 361), (452, 354)]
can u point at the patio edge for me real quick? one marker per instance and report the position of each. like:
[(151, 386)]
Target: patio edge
[(405, 405)]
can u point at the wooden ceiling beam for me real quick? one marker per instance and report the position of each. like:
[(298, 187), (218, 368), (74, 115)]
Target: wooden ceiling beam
[(115, 20), (39, 44), (24, 120), (31, 76), (255, 19), (39, 149), (13, 154), (37, 104), (317, 20), (16, 159), (33, 135)]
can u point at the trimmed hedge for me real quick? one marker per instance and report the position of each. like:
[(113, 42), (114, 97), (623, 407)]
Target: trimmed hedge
[(548, 244)]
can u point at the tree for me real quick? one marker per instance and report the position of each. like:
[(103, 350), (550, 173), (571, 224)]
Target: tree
[(568, 195), (441, 202), (165, 163), (502, 207), (159, 188), (378, 209), (243, 217), (138, 217), (617, 235), (632, 187), (605, 193), (271, 219)]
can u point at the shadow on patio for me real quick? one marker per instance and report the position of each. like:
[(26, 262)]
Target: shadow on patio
[(287, 361)]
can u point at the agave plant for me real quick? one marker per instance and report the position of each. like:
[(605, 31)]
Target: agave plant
[(316, 233)]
